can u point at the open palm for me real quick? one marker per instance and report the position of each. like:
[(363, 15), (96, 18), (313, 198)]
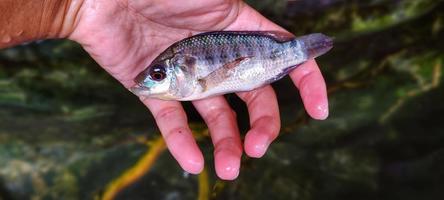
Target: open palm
[(124, 36)]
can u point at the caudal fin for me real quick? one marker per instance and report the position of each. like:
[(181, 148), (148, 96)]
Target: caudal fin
[(316, 44)]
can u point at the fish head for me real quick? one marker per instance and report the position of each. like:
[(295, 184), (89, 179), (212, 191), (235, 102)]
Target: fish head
[(168, 79), (155, 80)]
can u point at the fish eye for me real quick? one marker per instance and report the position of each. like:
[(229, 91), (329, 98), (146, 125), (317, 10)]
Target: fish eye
[(157, 73)]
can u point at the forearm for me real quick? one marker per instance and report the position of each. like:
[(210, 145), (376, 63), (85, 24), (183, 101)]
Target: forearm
[(29, 20)]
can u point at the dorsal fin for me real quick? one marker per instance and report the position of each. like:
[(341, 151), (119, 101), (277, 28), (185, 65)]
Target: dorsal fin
[(278, 36)]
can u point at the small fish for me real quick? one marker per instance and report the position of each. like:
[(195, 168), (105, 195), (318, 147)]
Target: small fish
[(216, 63)]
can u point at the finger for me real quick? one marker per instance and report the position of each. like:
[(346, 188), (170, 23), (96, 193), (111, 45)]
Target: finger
[(221, 121), (307, 77), (311, 84), (173, 124), (264, 120)]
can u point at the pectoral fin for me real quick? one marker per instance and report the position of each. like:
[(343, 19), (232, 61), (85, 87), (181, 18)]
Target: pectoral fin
[(218, 76)]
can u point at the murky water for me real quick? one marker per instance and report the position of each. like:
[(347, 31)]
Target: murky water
[(384, 138)]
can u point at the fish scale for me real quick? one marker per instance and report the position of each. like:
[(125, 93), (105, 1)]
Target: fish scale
[(217, 63), (213, 47)]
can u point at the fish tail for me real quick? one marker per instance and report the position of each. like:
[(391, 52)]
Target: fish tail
[(315, 44)]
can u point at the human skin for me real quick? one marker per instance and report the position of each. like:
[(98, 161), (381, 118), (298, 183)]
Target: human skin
[(124, 36)]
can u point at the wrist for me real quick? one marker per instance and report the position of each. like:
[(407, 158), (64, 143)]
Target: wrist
[(66, 19), (30, 20)]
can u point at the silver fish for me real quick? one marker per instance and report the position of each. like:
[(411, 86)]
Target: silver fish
[(216, 63)]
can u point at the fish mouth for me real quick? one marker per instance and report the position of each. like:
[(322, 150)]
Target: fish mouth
[(140, 90)]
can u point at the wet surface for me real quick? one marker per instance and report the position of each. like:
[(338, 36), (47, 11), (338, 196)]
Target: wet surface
[(383, 140)]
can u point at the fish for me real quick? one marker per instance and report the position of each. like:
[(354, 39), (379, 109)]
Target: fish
[(222, 62)]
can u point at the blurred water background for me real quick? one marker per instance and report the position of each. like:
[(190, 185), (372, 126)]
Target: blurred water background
[(69, 131)]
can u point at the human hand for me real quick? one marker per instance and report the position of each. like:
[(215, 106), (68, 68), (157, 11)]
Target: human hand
[(124, 36)]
